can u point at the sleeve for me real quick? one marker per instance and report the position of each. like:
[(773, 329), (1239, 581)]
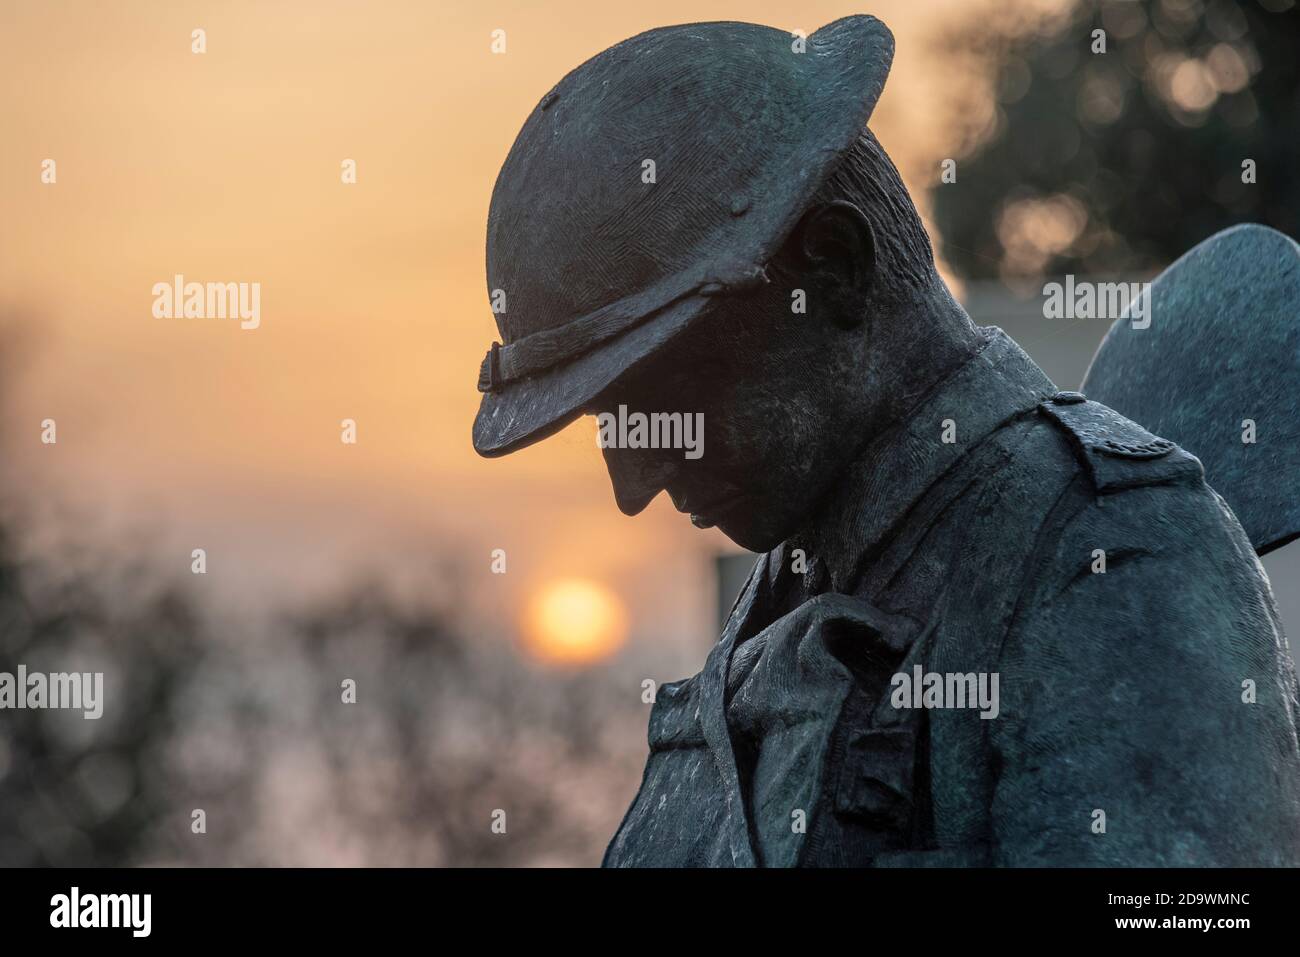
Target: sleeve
[(1148, 708)]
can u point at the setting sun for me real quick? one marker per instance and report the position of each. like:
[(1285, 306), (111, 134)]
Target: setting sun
[(574, 622)]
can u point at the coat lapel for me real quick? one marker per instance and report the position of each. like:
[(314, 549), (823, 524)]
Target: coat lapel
[(713, 712)]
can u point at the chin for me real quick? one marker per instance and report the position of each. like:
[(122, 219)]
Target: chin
[(753, 536)]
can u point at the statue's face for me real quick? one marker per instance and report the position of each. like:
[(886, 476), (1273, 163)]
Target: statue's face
[(786, 399), (768, 388)]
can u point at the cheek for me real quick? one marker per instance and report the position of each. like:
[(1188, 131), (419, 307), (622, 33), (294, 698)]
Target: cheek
[(779, 450), (747, 440)]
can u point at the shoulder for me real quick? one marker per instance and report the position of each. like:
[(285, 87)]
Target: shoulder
[(1136, 521), (1067, 458), (1127, 497)]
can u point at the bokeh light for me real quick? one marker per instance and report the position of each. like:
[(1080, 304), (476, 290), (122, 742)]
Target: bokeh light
[(574, 622)]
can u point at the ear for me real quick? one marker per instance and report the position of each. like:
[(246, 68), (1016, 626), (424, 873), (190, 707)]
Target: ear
[(835, 243)]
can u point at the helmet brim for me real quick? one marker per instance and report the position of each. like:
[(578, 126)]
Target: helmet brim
[(531, 410)]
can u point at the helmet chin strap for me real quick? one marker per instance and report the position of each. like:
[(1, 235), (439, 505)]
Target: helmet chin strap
[(551, 347)]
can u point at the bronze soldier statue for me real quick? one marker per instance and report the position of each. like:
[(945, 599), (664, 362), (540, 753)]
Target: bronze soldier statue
[(994, 623)]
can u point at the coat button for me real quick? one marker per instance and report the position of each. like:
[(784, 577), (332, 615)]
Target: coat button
[(1069, 398)]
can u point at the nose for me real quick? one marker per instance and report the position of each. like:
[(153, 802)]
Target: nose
[(637, 475)]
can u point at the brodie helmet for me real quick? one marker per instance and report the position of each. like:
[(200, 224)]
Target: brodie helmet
[(664, 171)]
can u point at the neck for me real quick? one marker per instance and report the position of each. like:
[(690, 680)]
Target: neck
[(925, 341)]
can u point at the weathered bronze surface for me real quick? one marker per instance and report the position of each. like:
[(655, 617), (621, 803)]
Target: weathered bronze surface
[(994, 623)]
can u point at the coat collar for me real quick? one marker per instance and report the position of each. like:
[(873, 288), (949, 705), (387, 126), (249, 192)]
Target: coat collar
[(894, 470)]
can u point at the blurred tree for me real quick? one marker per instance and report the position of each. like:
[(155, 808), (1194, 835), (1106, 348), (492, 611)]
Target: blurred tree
[(1121, 161), (77, 792), (243, 717)]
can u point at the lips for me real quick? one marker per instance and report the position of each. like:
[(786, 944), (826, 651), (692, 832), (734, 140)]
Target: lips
[(705, 514)]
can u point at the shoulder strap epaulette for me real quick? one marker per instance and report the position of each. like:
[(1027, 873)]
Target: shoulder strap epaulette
[(1117, 452)]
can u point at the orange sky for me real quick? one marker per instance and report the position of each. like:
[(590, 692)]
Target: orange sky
[(226, 166)]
